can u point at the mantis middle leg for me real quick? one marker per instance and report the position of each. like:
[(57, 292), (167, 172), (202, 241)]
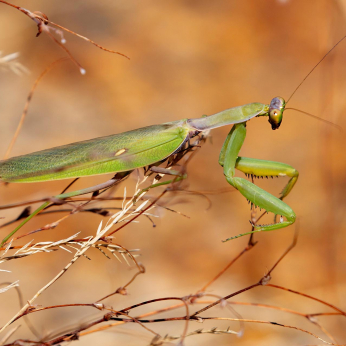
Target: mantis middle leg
[(230, 161)]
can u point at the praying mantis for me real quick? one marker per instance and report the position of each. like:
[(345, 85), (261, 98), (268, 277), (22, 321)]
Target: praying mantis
[(127, 151), (122, 153)]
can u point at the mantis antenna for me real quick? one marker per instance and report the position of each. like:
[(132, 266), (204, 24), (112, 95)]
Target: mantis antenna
[(317, 118), (330, 50), (305, 78)]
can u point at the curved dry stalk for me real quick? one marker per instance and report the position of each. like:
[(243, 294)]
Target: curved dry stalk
[(310, 297), (151, 313), (200, 331), (26, 107), (8, 335), (272, 323), (246, 249), (26, 319), (41, 21), (307, 316), (184, 300)]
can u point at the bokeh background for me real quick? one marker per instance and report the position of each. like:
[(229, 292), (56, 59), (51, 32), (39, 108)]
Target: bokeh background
[(188, 58)]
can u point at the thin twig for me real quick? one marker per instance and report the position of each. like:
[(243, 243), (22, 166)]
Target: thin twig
[(26, 107), (40, 21)]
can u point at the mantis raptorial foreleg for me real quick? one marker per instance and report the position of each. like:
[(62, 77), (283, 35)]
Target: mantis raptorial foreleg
[(263, 168), (230, 161)]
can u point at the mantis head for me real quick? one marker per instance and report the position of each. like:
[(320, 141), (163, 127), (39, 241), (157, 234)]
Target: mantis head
[(276, 110)]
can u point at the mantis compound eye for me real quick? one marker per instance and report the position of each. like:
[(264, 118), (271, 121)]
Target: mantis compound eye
[(276, 109), (275, 118)]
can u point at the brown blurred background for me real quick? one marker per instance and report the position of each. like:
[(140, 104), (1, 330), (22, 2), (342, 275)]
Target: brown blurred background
[(188, 58)]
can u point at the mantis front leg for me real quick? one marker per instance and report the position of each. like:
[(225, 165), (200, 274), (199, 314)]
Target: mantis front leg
[(230, 161)]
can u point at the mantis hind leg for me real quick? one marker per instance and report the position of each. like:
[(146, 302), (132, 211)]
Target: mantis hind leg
[(230, 161)]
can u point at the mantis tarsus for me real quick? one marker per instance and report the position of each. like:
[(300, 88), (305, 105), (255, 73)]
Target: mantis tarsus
[(124, 152)]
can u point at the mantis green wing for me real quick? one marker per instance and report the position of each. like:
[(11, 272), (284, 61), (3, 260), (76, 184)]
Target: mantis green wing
[(116, 153)]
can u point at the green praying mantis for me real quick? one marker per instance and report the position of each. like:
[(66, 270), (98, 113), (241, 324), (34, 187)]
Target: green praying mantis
[(127, 151), (146, 146)]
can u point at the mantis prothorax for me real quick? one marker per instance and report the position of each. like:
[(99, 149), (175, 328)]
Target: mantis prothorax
[(124, 152)]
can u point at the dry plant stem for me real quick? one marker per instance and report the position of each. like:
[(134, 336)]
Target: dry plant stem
[(69, 185), (267, 306), (8, 335), (47, 227), (222, 319), (123, 288), (263, 281), (307, 316), (141, 270), (93, 198), (96, 198), (91, 242), (45, 199), (231, 309), (85, 305), (26, 213), (294, 243), (225, 298), (269, 322), (310, 297), (106, 317), (139, 266), (151, 313), (25, 111), (177, 306), (325, 314), (247, 248), (84, 38), (99, 211), (139, 214), (33, 309), (21, 303), (47, 247), (80, 67), (251, 241), (71, 336), (39, 21), (54, 199), (186, 317)]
